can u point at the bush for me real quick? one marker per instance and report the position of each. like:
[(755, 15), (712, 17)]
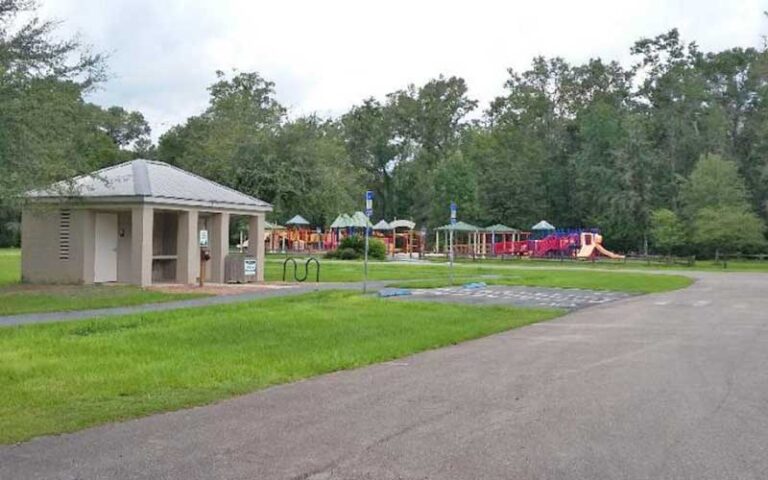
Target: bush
[(353, 248)]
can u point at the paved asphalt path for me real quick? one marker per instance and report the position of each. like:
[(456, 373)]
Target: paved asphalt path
[(665, 386)]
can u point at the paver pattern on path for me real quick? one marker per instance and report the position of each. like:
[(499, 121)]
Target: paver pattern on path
[(570, 298), (663, 386)]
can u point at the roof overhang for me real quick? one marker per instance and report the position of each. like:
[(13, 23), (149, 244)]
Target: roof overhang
[(166, 202)]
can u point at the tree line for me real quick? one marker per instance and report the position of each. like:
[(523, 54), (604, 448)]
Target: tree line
[(670, 151)]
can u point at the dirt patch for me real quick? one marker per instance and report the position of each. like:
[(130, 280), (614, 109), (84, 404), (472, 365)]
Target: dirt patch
[(219, 288)]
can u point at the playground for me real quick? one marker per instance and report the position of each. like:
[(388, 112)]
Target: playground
[(402, 238)]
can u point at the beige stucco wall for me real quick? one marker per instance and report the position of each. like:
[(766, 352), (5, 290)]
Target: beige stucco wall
[(40, 261), (124, 247), (40, 243)]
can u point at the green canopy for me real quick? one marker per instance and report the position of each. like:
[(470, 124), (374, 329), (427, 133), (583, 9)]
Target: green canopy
[(297, 220), (459, 227), (500, 228), (360, 220), (273, 226), (342, 221), (543, 225), (382, 225)]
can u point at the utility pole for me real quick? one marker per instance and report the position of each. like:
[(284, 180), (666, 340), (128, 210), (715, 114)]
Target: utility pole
[(453, 223), (368, 214)]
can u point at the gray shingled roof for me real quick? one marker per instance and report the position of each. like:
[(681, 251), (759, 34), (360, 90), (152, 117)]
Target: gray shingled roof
[(150, 181)]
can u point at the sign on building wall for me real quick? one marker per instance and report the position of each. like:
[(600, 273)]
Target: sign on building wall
[(249, 266), (203, 238)]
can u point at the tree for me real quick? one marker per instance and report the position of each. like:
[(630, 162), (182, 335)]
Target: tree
[(455, 180), (46, 130), (728, 229), (714, 183), (124, 127), (667, 230), (369, 137)]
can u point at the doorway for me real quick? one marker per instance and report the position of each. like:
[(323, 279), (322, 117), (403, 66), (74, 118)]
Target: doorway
[(105, 255)]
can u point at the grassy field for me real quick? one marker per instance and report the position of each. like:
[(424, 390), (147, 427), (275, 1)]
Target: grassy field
[(63, 377), (631, 264), (435, 275), (10, 266), (17, 299)]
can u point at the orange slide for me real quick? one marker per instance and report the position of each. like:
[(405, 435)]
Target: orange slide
[(593, 243)]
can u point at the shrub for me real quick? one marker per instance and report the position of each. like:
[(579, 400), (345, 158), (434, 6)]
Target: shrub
[(376, 249), (353, 248), (348, 254)]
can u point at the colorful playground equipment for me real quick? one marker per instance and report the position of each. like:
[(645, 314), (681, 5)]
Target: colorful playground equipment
[(546, 241), (400, 237), (592, 245), (475, 241)]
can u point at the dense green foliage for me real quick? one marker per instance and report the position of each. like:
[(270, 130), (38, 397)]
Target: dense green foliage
[(48, 132), (123, 367), (597, 144), (353, 248)]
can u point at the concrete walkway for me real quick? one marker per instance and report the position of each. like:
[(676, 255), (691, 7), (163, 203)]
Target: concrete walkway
[(665, 386)]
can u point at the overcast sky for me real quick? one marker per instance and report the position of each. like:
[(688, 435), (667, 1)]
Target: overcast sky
[(328, 55)]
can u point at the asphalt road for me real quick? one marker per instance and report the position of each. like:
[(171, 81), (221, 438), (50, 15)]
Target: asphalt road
[(667, 386)]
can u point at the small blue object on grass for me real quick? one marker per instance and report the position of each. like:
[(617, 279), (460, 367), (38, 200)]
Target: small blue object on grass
[(475, 285), (394, 292)]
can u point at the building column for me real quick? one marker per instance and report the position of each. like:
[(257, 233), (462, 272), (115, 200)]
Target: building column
[(187, 249), (256, 243), (219, 245), (142, 224)]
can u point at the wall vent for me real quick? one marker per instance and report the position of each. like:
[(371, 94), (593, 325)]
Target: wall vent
[(65, 229)]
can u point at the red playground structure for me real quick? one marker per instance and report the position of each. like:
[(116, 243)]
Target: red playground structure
[(583, 244)]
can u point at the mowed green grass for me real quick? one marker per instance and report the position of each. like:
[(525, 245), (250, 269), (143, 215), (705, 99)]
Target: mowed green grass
[(737, 265), (60, 298), (437, 275), (19, 299), (63, 377), (10, 266)]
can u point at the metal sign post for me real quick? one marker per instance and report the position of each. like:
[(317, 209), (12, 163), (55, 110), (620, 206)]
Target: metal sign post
[(453, 222), (368, 213)]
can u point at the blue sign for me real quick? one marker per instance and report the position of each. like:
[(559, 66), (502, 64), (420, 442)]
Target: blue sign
[(369, 203), (453, 213)]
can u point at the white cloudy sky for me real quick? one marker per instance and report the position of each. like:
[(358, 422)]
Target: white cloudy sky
[(327, 55)]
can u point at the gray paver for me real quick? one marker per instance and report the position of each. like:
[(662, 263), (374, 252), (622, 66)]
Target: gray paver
[(570, 298)]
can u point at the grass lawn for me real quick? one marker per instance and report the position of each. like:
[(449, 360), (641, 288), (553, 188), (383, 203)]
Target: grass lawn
[(17, 299), (624, 282), (737, 265), (436, 275), (67, 376), (10, 266)]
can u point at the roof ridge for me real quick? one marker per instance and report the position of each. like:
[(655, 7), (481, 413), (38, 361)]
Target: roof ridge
[(142, 184)]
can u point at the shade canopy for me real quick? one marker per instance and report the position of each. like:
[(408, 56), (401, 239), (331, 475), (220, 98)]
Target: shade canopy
[(273, 226), (459, 227), (342, 221), (382, 225), (360, 220), (297, 220), (543, 225), (500, 228), (402, 224)]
